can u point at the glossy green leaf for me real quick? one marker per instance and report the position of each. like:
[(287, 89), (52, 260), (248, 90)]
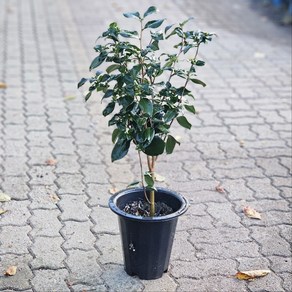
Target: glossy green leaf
[(109, 109), (156, 147), (150, 10), (120, 149), (200, 63), (81, 82), (115, 135), (170, 144), (108, 93), (132, 15), (148, 135), (87, 96), (97, 61), (186, 21), (146, 106), (190, 108), (170, 115), (129, 34), (153, 23), (112, 68), (134, 183), (149, 179), (167, 28), (184, 122), (197, 81)]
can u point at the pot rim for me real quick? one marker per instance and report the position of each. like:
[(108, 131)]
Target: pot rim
[(113, 206)]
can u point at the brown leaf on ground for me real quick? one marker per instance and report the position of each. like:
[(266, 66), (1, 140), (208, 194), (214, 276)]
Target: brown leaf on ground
[(4, 197), (54, 198), (69, 97), (113, 191), (220, 189), (241, 143), (3, 85), (11, 271), (159, 178), (251, 213), (2, 211), (250, 275), (51, 161)]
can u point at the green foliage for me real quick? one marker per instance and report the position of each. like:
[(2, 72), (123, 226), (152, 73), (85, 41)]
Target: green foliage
[(146, 88)]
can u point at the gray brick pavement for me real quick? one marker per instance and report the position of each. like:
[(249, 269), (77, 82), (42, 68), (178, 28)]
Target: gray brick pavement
[(58, 229)]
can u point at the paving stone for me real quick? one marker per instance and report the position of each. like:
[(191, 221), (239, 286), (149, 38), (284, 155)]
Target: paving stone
[(14, 239), (110, 248), (89, 154), (165, 284), (280, 264), (99, 194), (36, 123), (84, 267), (95, 173), (38, 138), (78, 235), (74, 208), (67, 164), (198, 170), (189, 221), (48, 253), (220, 235), (55, 280), (43, 197), (286, 232), (60, 129), (117, 280), (70, 184), (21, 280), (287, 282), (16, 187), (101, 215), (200, 268), (17, 213), (263, 188), (214, 284), (41, 175), (39, 155), (63, 145), (270, 241), (182, 248), (223, 215), (271, 282), (237, 173), (49, 227)]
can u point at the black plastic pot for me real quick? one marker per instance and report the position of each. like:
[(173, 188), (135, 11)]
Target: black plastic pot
[(147, 241)]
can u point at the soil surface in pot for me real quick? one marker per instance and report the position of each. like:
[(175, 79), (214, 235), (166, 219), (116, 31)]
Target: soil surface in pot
[(142, 208)]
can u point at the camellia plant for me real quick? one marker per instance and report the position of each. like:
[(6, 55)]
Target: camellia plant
[(146, 86)]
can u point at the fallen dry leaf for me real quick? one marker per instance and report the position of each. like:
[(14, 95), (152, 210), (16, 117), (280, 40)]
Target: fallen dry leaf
[(70, 97), (54, 198), (220, 189), (4, 197), (249, 275), (2, 211), (241, 143), (3, 85), (11, 271), (251, 213), (159, 178), (113, 191), (51, 161)]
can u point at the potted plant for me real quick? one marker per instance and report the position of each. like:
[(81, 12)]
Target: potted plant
[(146, 89)]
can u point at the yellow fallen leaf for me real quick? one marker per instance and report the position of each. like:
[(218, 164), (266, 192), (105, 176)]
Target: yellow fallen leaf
[(69, 97), (220, 189), (4, 197), (249, 275), (54, 198), (159, 178), (113, 191), (51, 161), (11, 271), (251, 213), (2, 211), (3, 85)]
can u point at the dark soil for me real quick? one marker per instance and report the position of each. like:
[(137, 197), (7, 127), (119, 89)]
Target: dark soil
[(142, 208)]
